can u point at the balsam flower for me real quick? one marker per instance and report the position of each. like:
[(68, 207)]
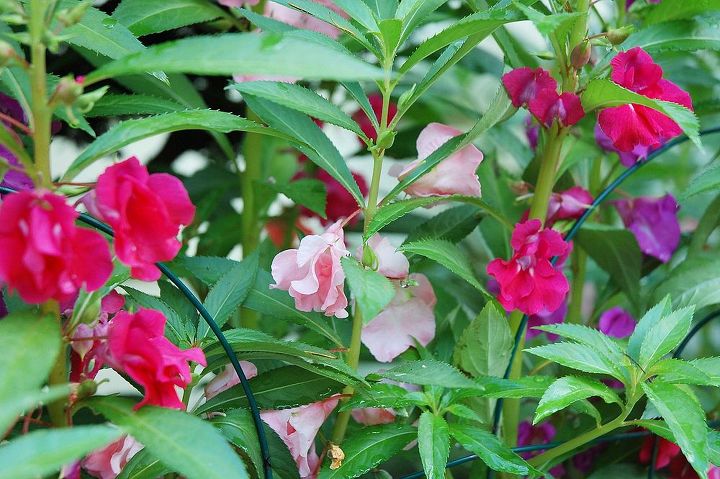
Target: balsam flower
[(617, 322), (340, 204), (43, 254), (108, 462), (229, 378), (654, 223), (312, 273), (146, 212)]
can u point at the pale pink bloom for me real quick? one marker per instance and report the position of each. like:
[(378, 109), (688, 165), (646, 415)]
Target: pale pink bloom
[(408, 318), (108, 462), (302, 20), (312, 273), (297, 427), (371, 416), (455, 175), (391, 262), (229, 378)]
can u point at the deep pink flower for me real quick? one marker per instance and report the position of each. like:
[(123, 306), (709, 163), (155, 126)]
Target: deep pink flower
[(549, 106), (108, 462), (371, 416), (666, 451), (408, 318), (229, 378), (312, 274), (302, 20), (297, 427), (364, 121), (137, 346), (568, 205), (585, 460), (528, 281), (540, 434), (391, 262), (627, 158), (616, 322), (524, 84), (43, 254), (654, 223), (146, 211), (340, 203), (455, 175), (532, 131)]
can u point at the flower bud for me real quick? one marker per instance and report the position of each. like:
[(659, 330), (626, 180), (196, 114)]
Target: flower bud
[(86, 102), (618, 35), (68, 90), (385, 140), (580, 55), (71, 16)]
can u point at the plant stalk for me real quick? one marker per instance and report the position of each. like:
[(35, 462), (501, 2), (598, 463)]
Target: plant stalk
[(41, 113), (546, 177), (353, 359), (579, 267)]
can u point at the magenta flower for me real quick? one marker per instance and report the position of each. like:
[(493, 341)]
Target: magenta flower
[(312, 273), (627, 158), (43, 254), (455, 175), (528, 281), (617, 322), (3, 306), (569, 204), (108, 462), (137, 346), (229, 378), (524, 84), (654, 223), (532, 131), (542, 433)]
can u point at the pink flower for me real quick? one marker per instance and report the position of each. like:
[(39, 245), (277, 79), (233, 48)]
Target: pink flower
[(340, 203), (364, 121), (229, 378), (627, 158), (524, 84), (548, 106), (569, 204), (528, 281), (532, 131), (391, 262), (632, 127), (654, 223), (455, 175), (302, 20), (297, 427), (540, 434), (372, 416), (146, 211), (312, 274), (616, 322), (408, 318), (138, 347), (108, 462), (43, 254)]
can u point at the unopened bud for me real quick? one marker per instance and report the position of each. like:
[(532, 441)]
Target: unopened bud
[(68, 90), (369, 258), (618, 35), (87, 101), (580, 55), (86, 389), (71, 16), (385, 140), (405, 97)]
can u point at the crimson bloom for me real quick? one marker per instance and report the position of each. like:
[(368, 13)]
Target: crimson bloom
[(146, 212), (654, 223), (43, 254), (528, 281), (524, 84), (137, 345)]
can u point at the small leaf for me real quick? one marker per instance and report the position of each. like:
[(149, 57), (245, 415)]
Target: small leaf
[(575, 356), (433, 444), (371, 290), (379, 395), (485, 346), (565, 391), (118, 105), (490, 450), (452, 224), (677, 371), (677, 9), (429, 372), (665, 335)]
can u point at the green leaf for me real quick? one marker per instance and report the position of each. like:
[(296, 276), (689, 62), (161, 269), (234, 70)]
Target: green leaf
[(173, 437), (557, 24), (617, 252), (394, 211), (143, 465), (130, 131), (448, 255), (40, 453), (429, 372), (208, 269), (656, 427), (379, 395), (695, 282), (413, 12), (591, 337), (284, 387), (665, 335), (565, 391), (243, 54), (301, 99), (359, 12), (118, 105), (682, 412), (30, 345), (677, 9), (690, 36), (708, 179), (355, 90), (229, 293), (714, 447), (601, 94), (312, 141), (525, 387), (677, 371), (310, 193), (485, 346), (490, 450), (452, 224), (575, 356), (371, 290), (433, 444), (661, 309), (238, 427), (710, 366), (369, 447), (24, 400), (143, 18)]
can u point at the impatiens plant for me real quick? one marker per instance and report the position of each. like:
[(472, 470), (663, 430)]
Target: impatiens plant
[(359, 238)]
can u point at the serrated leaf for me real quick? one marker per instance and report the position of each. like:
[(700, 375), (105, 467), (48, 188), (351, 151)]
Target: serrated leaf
[(525, 387), (452, 224), (119, 105), (433, 444), (371, 290), (310, 193), (710, 366), (676, 36), (369, 447), (575, 356), (662, 308), (656, 426), (708, 179), (429, 372), (413, 12), (143, 18), (173, 437), (359, 12), (686, 420), (356, 91), (130, 131), (23, 400), (143, 465), (484, 348), (695, 282), (714, 447), (244, 54), (490, 450), (379, 395), (448, 255), (665, 335), (677, 9), (677, 371), (40, 453), (565, 391), (394, 211)]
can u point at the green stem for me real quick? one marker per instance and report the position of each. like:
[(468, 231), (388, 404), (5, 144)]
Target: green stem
[(708, 222), (353, 359), (58, 373), (41, 114), (546, 178), (579, 264)]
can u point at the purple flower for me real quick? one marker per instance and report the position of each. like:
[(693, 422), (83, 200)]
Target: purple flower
[(627, 158), (584, 461), (616, 322), (545, 318), (13, 178), (540, 434), (654, 223), (532, 131)]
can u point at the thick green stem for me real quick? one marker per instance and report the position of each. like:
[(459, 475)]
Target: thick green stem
[(353, 359), (709, 221), (41, 113), (548, 169), (579, 264)]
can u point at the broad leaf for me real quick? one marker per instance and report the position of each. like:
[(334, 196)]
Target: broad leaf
[(665, 335), (565, 391), (43, 452), (710, 366), (379, 395), (452, 224), (24, 400), (677, 371), (489, 448), (371, 290), (433, 444), (143, 18), (677, 9), (588, 336), (429, 372), (173, 437), (575, 356), (486, 344), (119, 105), (694, 282), (675, 36)]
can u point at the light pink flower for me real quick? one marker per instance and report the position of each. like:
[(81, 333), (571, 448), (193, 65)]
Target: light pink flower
[(312, 274), (391, 262), (146, 212), (43, 254), (302, 20), (408, 318), (372, 416), (455, 175), (229, 378), (109, 461), (297, 427)]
